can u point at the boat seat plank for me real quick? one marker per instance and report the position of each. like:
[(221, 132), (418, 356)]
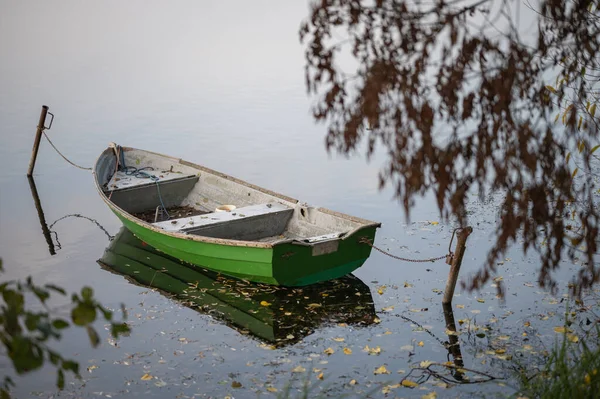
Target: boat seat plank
[(247, 223), (122, 180)]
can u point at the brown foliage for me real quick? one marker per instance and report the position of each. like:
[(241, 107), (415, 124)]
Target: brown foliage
[(459, 102)]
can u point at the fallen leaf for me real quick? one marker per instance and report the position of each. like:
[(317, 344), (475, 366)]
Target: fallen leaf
[(409, 384), (562, 330), (407, 284), (146, 377), (236, 384), (338, 339), (434, 223), (91, 368), (353, 382), (320, 376), (425, 363), (264, 303), (480, 300), (299, 369), (271, 389), (420, 343), (460, 306), (314, 305), (388, 332), (573, 338), (500, 351), (387, 309), (160, 383), (347, 351), (381, 370), (329, 351), (430, 395), (527, 324)]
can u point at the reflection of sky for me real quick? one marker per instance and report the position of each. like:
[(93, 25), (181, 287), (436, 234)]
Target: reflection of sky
[(221, 85)]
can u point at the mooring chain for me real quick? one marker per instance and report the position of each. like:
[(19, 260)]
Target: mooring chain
[(59, 153), (448, 257)]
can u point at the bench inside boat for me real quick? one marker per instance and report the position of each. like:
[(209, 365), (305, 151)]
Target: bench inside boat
[(259, 215)]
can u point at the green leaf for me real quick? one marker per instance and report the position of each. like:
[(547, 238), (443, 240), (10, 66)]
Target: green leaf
[(83, 314), (60, 381), (60, 324), (568, 157), (94, 338), (71, 365), (593, 110), (583, 71), (87, 293), (106, 313), (119, 329), (594, 149), (31, 321), (56, 288), (41, 294), (54, 357), (574, 172), (25, 355), (552, 89)]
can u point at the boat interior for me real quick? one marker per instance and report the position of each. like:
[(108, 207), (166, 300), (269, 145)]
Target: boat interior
[(178, 196)]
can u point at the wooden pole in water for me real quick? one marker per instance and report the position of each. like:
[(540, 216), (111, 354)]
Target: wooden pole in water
[(40, 211), (38, 137), (463, 234)]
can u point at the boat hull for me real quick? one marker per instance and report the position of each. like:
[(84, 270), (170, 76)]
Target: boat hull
[(284, 264)]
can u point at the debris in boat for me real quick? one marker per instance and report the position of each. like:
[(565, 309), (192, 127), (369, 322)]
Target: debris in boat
[(175, 212)]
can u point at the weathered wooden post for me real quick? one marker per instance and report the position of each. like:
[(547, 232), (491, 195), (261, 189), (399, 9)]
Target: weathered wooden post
[(453, 343), (38, 137), (463, 234), (40, 211)]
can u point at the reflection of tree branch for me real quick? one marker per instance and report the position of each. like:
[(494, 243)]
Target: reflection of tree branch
[(427, 373), (78, 215)]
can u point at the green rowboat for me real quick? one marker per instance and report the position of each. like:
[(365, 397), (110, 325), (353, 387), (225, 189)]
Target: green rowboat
[(277, 315), (226, 225)]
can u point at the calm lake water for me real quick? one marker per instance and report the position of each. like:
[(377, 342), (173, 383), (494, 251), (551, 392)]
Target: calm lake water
[(221, 84)]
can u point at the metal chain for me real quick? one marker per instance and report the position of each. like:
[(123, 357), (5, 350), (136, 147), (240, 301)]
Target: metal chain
[(365, 240), (59, 153)]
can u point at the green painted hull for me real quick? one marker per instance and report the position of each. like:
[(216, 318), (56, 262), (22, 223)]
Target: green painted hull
[(284, 264), (278, 315)]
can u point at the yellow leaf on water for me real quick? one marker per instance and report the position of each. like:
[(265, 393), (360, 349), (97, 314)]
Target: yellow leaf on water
[(409, 384), (347, 351), (299, 369), (320, 376), (480, 300), (271, 389), (573, 338), (329, 351), (264, 303), (381, 290), (462, 321), (407, 284), (381, 370), (562, 330), (500, 351), (338, 339), (387, 309), (460, 306), (314, 305), (527, 324), (420, 343), (388, 332), (425, 363), (434, 223), (353, 382), (527, 347), (430, 395), (146, 377)]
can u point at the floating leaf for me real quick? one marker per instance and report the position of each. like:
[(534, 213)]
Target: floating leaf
[(347, 351), (550, 88), (299, 369), (593, 110), (353, 382), (271, 389), (407, 284), (480, 300), (236, 384), (264, 303), (409, 384), (562, 330), (338, 339), (314, 305), (146, 377), (320, 376), (430, 395), (500, 351), (381, 370), (460, 306), (420, 343), (329, 351), (573, 338), (387, 309), (434, 223), (425, 363), (160, 383)]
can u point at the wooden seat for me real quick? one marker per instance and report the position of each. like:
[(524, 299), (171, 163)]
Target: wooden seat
[(247, 223)]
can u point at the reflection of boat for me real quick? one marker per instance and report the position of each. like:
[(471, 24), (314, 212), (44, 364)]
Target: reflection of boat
[(276, 314), (268, 238)]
